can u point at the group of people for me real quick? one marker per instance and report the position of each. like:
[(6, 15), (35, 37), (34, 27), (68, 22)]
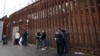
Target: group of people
[(41, 40), (61, 38), (20, 39)]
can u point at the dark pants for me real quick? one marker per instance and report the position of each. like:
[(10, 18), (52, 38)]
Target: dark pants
[(66, 46), (60, 48), (38, 43), (16, 42), (24, 42), (44, 43), (4, 41)]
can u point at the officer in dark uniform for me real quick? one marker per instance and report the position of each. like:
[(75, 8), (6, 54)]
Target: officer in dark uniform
[(65, 35), (24, 37), (59, 42)]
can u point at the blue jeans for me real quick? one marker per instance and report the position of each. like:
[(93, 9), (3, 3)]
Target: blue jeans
[(44, 43)]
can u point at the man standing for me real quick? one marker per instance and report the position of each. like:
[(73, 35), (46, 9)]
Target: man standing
[(24, 38), (65, 35), (38, 36), (17, 36), (4, 39), (43, 39), (59, 42)]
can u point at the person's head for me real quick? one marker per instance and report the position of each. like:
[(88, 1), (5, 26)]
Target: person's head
[(4, 35), (63, 30), (38, 30), (43, 31), (59, 29), (24, 30), (18, 31)]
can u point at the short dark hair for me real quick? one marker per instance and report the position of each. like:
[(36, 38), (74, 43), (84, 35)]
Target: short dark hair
[(63, 30), (59, 28)]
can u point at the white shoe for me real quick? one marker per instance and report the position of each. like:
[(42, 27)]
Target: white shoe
[(43, 49)]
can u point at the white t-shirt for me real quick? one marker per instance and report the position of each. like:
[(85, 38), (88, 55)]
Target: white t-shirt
[(17, 35)]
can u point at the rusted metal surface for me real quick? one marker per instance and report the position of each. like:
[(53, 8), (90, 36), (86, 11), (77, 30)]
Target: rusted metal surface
[(81, 18)]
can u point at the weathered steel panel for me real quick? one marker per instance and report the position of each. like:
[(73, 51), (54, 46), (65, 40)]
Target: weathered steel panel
[(81, 18)]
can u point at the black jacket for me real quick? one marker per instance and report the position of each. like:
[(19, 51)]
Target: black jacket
[(38, 35), (43, 36), (59, 37), (24, 36)]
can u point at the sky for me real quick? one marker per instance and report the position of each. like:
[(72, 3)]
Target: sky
[(7, 7)]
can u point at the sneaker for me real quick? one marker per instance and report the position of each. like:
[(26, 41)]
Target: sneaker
[(43, 49)]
